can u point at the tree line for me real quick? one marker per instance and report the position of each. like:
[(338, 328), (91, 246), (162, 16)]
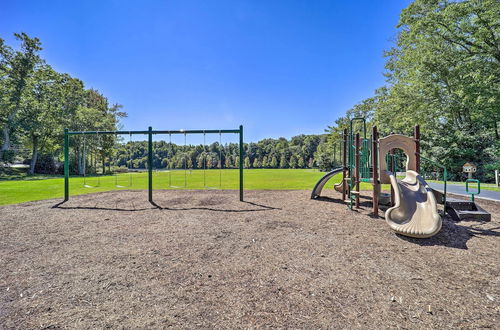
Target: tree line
[(442, 73), (298, 152), (37, 103)]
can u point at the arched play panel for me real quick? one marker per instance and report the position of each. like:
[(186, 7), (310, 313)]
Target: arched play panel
[(396, 141)]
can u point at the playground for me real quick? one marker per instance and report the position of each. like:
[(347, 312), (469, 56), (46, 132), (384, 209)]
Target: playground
[(250, 165), (204, 259), (228, 248)]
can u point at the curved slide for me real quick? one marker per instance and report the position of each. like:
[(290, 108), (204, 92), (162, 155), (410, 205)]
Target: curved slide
[(414, 213), (321, 183)]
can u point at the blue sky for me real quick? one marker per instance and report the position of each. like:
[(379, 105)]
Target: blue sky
[(280, 68)]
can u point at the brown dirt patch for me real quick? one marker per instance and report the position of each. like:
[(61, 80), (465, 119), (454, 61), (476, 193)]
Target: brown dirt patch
[(206, 260)]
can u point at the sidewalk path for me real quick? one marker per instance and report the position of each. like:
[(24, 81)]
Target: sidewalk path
[(460, 190)]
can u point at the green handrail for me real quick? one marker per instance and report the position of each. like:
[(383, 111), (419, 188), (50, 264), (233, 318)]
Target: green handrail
[(472, 193), (364, 125), (445, 176)]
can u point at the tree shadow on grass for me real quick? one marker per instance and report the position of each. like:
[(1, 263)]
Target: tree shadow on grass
[(454, 235)]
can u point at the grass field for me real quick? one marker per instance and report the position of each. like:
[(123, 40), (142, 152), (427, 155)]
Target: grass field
[(39, 188), (18, 188)]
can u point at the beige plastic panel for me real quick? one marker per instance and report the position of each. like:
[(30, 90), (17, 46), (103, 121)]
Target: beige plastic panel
[(403, 142), (414, 213)]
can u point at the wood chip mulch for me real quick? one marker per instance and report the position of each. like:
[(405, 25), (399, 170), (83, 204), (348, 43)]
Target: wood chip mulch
[(203, 259)]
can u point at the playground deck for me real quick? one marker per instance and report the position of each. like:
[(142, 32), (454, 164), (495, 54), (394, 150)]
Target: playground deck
[(206, 260)]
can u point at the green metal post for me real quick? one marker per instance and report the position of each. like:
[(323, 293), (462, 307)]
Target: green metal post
[(66, 165), (150, 164), (375, 182), (477, 192), (364, 125), (357, 171), (445, 178), (345, 168), (242, 154)]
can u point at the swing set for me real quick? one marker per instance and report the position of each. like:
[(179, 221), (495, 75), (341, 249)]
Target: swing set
[(170, 168), (87, 183), (150, 132)]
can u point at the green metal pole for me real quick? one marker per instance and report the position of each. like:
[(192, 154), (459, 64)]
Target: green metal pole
[(241, 162), (66, 165), (445, 178), (150, 164)]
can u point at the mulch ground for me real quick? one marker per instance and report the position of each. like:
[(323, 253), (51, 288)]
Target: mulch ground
[(205, 260)]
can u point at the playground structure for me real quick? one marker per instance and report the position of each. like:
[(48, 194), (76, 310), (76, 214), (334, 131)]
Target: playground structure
[(150, 133), (413, 204)]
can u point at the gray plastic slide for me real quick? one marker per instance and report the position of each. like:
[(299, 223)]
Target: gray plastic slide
[(414, 213), (321, 183)]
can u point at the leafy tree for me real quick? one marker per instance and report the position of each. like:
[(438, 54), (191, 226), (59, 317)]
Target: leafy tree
[(256, 163), (300, 162), (443, 73), (17, 68), (310, 163), (37, 103), (283, 162), (264, 162), (228, 162), (274, 162), (38, 112), (201, 160), (293, 161), (247, 162)]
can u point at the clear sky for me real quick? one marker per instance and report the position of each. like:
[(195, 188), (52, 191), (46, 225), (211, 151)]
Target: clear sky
[(280, 68)]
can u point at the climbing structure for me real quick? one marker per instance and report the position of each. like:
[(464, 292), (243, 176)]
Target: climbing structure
[(358, 160), (372, 160), (412, 203)]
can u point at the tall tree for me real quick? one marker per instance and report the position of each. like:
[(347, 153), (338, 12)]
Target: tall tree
[(444, 74), (40, 110), (17, 69)]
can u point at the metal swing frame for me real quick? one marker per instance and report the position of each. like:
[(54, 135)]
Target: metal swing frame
[(150, 132)]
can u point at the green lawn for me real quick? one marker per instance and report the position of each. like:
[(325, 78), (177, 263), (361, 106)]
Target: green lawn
[(18, 188), (38, 188)]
